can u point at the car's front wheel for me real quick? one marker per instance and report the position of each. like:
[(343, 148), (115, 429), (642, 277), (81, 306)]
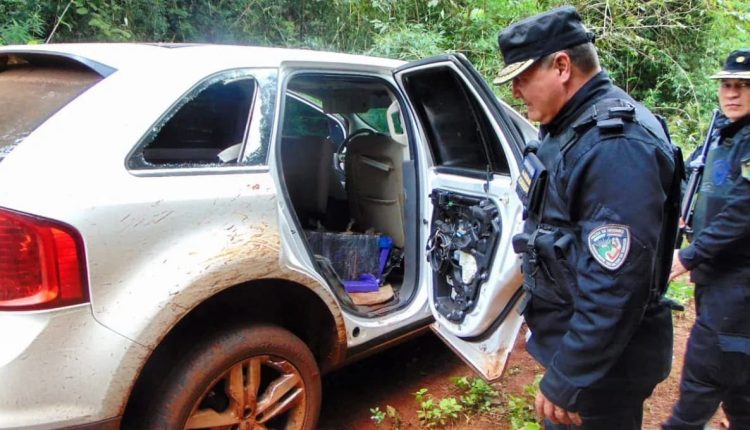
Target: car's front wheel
[(243, 378)]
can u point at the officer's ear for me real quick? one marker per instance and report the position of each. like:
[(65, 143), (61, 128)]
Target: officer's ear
[(563, 65)]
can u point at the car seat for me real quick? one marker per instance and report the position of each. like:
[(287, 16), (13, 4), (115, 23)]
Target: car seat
[(374, 184), (306, 164)]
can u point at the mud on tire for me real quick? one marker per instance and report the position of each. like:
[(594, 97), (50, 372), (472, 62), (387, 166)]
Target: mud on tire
[(258, 377)]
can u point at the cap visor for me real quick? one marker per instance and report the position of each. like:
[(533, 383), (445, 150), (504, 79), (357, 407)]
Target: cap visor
[(512, 70), (731, 75)]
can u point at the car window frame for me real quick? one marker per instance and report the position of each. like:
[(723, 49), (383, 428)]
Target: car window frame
[(292, 70), (494, 151), (263, 104)]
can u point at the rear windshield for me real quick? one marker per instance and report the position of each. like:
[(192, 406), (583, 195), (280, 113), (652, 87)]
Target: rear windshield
[(32, 90)]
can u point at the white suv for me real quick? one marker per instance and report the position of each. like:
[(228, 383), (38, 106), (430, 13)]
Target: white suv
[(191, 235)]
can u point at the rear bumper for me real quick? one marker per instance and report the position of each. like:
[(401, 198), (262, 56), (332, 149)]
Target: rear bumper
[(62, 369)]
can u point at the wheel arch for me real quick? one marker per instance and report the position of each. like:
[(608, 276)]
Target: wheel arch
[(279, 302)]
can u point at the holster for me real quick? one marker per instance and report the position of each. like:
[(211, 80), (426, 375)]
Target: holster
[(553, 248), (547, 250)]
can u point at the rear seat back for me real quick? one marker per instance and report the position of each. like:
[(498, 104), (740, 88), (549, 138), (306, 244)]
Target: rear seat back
[(306, 166), (374, 184)]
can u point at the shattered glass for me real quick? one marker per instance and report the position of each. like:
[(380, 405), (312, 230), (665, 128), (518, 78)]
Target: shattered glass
[(190, 134)]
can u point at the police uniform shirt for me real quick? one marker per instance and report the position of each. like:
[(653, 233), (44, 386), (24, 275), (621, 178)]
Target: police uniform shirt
[(607, 191)]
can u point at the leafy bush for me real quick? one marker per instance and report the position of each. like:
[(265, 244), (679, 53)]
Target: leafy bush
[(658, 51), (20, 22)]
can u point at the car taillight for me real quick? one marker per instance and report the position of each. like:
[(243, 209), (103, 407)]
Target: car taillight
[(42, 263)]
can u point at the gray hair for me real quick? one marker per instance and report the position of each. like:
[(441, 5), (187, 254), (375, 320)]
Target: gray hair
[(583, 56)]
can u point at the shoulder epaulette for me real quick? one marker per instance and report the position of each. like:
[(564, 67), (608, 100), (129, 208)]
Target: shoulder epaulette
[(609, 116)]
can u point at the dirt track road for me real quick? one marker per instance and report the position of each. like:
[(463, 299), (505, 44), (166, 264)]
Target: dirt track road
[(392, 378)]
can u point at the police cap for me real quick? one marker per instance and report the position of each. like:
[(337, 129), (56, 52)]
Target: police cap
[(737, 66), (528, 40)]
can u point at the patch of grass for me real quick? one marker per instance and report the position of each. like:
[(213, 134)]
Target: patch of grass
[(476, 397)]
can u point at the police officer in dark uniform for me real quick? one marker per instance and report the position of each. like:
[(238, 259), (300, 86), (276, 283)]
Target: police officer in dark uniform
[(601, 192), (717, 362)]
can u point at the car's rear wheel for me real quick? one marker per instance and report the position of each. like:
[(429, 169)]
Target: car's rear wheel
[(243, 378)]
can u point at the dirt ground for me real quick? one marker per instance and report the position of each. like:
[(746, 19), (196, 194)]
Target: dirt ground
[(392, 378)]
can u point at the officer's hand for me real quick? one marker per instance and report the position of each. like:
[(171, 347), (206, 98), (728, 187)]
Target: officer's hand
[(546, 409), (677, 267)]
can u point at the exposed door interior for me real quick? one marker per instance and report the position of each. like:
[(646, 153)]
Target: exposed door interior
[(465, 226), (471, 208)]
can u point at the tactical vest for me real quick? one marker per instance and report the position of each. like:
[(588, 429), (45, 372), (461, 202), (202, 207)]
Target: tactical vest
[(722, 168), (718, 178), (548, 241)]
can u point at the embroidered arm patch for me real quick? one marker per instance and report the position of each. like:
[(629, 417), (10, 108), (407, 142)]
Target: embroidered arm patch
[(746, 168), (609, 244)]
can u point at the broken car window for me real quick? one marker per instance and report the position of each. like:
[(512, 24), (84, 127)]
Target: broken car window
[(210, 126)]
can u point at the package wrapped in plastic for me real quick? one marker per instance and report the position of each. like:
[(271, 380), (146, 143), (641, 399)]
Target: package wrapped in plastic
[(351, 255)]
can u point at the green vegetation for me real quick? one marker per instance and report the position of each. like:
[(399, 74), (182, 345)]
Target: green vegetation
[(661, 51), (390, 415), (378, 416), (436, 413), (474, 398), (479, 397), (681, 290), (520, 409)]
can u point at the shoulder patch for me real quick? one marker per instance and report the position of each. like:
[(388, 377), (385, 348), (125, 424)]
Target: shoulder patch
[(721, 172), (746, 168), (609, 244)]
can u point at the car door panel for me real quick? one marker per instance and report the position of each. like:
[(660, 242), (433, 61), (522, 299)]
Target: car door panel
[(470, 209)]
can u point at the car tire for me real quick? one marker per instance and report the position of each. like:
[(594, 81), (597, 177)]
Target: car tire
[(257, 377)]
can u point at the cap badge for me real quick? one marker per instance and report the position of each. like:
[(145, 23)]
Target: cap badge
[(741, 59)]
